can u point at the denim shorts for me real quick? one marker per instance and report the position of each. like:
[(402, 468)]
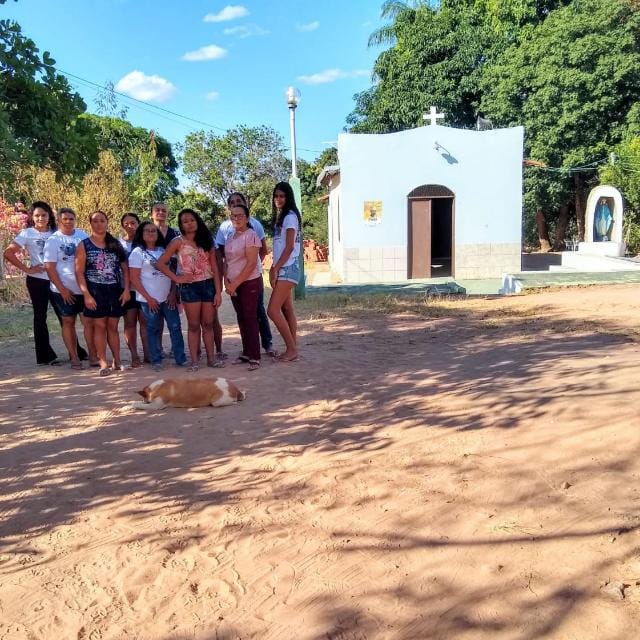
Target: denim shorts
[(107, 297), (290, 273), (68, 310), (200, 291)]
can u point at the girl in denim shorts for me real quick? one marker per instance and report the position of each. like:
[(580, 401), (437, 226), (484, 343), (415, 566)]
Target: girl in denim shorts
[(199, 281), (285, 271)]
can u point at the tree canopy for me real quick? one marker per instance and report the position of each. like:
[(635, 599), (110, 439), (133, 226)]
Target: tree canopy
[(246, 159), (38, 110), (567, 70)]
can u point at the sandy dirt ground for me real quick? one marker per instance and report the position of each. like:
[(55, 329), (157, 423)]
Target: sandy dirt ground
[(473, 475)]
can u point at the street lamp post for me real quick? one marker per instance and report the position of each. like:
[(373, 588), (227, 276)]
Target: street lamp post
[(293, 97)]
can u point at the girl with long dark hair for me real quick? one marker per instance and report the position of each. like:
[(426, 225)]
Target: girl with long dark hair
[(285, 270), (133, 315), (103, 277), (199, 280)]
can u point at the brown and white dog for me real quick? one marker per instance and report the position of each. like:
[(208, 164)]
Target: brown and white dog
[(189, 392)]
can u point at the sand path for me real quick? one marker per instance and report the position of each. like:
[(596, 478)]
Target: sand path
[(471, 477)]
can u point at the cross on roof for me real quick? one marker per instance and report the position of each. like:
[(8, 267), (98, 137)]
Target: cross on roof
[(433, 116)]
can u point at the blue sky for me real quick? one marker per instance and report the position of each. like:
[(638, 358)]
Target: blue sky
[(224, 63)]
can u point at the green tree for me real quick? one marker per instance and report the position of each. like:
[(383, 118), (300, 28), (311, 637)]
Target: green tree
[(38, 111), (573, 83), (314, 216), (212, 212), (146, 159), (438, 54), (624, 174), (436, 57), (246, 159)]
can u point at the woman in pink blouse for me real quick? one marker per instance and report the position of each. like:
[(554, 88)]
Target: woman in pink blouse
[(243, 282)]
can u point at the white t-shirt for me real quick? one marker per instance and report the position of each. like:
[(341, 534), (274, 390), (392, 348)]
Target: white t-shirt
[(280, 239), (61, 249), (156, 284), (33, 241), (127, 245)]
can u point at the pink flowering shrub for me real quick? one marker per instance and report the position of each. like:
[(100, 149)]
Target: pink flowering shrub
[(11, 224)]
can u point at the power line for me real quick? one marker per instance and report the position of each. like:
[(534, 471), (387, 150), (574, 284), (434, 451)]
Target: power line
[(148, 104), (97, 87)]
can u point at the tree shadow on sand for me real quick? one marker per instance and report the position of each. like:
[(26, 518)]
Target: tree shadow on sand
[(432, 381)]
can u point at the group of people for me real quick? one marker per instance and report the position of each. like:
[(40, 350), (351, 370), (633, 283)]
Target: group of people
[(148, 272)]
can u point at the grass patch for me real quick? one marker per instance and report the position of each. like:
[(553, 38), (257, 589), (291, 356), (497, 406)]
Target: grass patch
[(333, 305), (16, 320)]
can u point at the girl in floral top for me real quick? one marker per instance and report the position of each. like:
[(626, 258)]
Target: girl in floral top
[(199, 280)]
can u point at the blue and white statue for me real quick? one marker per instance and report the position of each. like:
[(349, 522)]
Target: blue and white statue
[(602, 222)]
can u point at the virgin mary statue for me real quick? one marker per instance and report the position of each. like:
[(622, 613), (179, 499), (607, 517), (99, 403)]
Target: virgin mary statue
[(602, 222)]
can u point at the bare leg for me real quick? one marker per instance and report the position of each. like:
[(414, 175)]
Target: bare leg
[(87, 327), (70, 338), (113, 338), (279, 296), (142, 322), (192, 311), (290, 314), (207, 312), (100, 339), (130, 318)]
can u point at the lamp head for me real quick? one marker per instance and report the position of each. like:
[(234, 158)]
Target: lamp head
[(293, 97)]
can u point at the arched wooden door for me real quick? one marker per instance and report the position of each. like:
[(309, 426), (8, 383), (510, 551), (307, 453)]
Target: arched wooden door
[(430, 218)]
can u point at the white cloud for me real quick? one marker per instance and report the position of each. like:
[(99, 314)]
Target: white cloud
[(310, 26), (149, 88), (230, 12), (245, 31), (212, 95), (210, 52), (331, 75)]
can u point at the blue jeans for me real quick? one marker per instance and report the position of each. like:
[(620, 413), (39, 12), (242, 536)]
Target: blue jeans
[(172, 319)]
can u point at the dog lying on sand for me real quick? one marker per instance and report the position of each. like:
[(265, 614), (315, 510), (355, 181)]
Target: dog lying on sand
[(189, 392)]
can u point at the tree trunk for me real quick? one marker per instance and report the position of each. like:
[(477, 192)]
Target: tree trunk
[(580, 205), (561, 228), (543, 232)]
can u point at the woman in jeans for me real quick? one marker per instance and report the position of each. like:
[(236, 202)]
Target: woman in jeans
[(199, 280), (152, 290), (243, 282)]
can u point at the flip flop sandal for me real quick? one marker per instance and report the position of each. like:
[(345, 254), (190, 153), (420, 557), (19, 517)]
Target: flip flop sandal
[(76, 366), (240, 360), (193, 368), (272, 352), (253, 365), (105, 371), (216, 364)]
